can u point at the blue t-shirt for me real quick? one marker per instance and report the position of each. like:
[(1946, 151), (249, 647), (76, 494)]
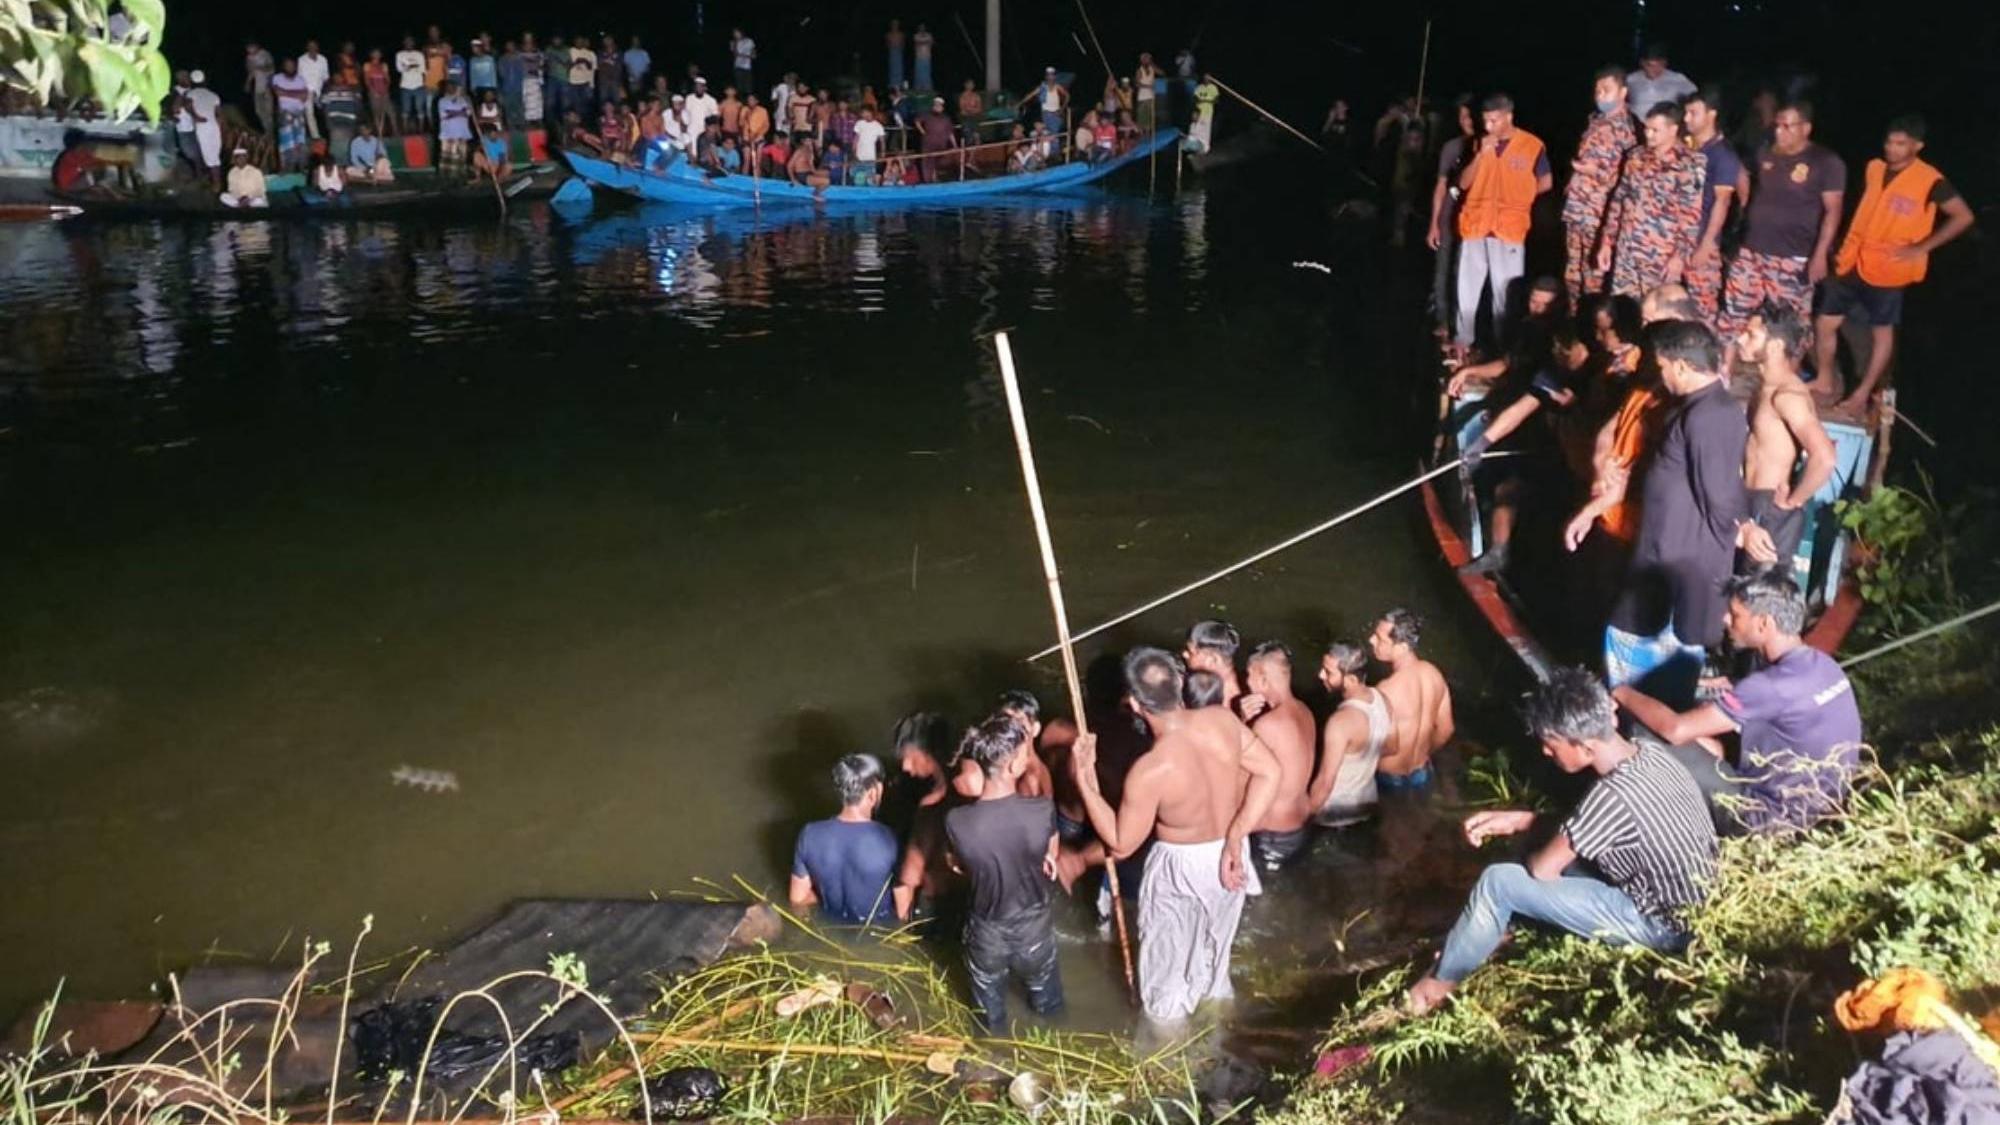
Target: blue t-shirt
[(1724, 169), (485, 71), (850, 864)]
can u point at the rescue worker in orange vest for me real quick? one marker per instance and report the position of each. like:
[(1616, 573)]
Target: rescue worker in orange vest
[(1497, 189), (1887, 250)]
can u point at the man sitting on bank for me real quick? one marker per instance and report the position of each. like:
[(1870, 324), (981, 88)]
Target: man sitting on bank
[(1206, 782), (246, 183), (1800, 727), (1643, 824), (844, 863)]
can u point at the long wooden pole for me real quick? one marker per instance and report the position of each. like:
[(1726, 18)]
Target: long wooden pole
[(1423, 69), (1101, 56), (1267, 114), (1034, 487)]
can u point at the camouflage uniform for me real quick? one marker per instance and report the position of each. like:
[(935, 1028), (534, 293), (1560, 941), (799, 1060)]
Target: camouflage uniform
[(1753, 277), (1704, 284), (1654, 217), (1593, 174)]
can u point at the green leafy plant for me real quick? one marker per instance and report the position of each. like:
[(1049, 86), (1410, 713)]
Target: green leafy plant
[(63, 51), (1902, 552)]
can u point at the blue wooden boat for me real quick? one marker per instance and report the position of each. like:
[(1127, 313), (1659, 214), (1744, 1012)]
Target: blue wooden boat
[(681, 182)]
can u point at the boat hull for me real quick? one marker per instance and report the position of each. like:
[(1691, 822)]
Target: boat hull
[(682, 184)]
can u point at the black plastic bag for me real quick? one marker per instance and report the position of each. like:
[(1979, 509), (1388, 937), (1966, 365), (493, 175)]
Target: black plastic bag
[(393, 1036), (685, 1093)]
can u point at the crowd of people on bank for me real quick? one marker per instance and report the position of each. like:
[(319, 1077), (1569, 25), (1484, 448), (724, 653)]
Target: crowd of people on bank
[(1664, 378), (333, 116)]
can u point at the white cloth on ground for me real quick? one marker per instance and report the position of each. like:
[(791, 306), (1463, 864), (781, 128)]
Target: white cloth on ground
[(1187, 922), (1354, 795)]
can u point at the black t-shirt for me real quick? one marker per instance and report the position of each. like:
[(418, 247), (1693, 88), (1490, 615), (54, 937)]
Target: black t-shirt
[(1000, 845), (1789, 200)]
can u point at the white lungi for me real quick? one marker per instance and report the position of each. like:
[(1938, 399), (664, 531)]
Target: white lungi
[(1187, 922)]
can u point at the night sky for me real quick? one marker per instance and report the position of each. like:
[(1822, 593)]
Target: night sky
[(1293, 57)]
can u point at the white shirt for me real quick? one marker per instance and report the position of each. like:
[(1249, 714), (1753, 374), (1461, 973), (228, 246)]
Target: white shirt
[(1670, 86), (314, 69), (781, 106), (700, 107), (1051, 97), (328, 179), (922, 41), (410, 69), (673, 129), (183, 120), (203, 103), (867, 140), (744, 49)]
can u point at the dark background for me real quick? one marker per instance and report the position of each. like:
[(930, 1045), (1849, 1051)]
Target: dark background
[(1865, 62)]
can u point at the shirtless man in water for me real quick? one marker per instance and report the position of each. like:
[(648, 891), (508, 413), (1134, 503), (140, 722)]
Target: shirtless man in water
[(1211, 647), (1783, 423), (1418, 700), (1206, 782), (1286, 726)]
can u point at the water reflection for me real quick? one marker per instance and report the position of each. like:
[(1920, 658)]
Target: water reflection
[(86, 298)]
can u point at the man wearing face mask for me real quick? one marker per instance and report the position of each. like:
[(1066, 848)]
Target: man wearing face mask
[(1654, 222), (1593, 176)]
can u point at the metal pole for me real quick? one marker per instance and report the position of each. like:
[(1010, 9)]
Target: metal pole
[(1422, 68)]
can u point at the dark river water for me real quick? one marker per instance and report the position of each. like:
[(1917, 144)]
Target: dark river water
[(633, 525)]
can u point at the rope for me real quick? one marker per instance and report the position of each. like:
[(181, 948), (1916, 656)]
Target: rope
[(1922, 634)]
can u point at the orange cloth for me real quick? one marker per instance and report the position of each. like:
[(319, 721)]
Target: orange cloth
[(1502, 191), (1632, 433), (1888, 219), (1903, 1000)]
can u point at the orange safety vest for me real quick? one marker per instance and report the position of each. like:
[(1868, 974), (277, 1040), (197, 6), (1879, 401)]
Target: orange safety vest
[(1502, 191), (1890, 217)]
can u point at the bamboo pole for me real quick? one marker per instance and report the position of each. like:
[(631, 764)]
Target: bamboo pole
[(1034, 487), (1423, 67), (1267, 114), (1101, 56)]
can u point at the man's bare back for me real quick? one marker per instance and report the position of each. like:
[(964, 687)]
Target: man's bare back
[(1420, 717), (1193, 778), (1287, 728)]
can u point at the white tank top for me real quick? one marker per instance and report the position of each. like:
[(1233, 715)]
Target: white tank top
[(1354, 794)]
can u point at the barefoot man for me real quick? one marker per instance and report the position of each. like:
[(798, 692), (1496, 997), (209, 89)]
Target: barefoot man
[(1199, 791), (1784, 422), (1286, 726), (1418, 700)]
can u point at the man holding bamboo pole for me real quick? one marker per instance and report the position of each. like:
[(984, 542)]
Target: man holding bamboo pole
[(1206, 782)]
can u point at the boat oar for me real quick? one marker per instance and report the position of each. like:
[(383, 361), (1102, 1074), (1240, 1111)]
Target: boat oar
[(1269, 551), (1267, 114), (1034, 487)]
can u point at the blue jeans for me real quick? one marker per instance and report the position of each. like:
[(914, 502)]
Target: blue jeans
[(923, 76), (895, 69), (1587, 907), (1023, 946)]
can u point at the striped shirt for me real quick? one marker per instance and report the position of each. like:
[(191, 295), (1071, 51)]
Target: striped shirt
[(1646, 827)]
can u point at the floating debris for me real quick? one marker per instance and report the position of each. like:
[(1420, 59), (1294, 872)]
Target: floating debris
[(430, 781)]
